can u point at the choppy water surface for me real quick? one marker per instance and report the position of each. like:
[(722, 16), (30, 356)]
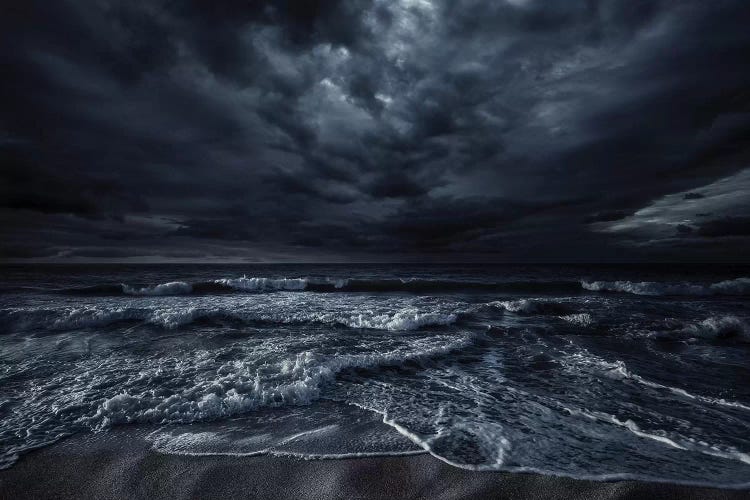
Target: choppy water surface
[(583, 371)]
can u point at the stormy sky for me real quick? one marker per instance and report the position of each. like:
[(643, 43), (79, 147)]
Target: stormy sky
[(400, 130)]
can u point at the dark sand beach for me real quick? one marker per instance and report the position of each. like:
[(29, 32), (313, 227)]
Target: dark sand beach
[(121, 464)]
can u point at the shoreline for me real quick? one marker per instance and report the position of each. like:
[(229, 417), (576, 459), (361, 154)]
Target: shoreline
[(122, 464)]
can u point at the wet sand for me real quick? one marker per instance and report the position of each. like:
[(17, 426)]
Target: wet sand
[(121, 464)]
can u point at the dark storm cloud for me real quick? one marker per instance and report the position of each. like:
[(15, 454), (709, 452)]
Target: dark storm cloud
[(693, 196), (606, 216), (726, 226), (337, 130)]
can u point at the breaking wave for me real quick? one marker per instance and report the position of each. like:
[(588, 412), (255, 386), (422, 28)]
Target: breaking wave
[(237, 390), (201, 387), (738, 286), (714, 328), (720, 327), (246, 284), (726, 328), (72, 318), (172, 288), (263, 284), (530, 306)]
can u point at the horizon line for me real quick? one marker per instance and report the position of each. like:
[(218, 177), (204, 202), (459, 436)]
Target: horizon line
[(341, 263)]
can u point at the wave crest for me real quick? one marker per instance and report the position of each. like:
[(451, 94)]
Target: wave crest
[(402, 320), (171, 288), (738, 286), (719, 328), (246, 284), (530, 306), (72, 318), (714, 328), (237, 390), (263, 284)]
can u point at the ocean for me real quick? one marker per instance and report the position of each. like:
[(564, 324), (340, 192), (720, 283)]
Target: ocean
[(604, 372)]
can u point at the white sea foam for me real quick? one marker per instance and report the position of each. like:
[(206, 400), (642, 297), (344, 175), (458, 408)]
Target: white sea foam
[(738, 286), (97, 316), (171, 288), (237, 389), (477, 409), (194, 386), (579, 319), (489, 436), (719, 327), (211, 443), (337, 282), (208, 443), (402, 320), (618, 370), (714, 328), (679, 442), (172, 316), (192, 443), (529, 306), (264, 284), (517, 306), (87, 317)]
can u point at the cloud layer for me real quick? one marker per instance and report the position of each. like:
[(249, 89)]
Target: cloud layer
[(350, 130)]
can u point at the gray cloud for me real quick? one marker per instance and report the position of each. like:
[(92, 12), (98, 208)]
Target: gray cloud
[(381, 130)]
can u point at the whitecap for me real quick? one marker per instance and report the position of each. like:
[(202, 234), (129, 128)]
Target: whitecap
[(579, 319), (738, 286), (171, 288), (718, 328), (263, 284)]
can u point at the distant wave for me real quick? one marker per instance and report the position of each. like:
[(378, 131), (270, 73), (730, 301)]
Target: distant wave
[(430, 285), (531, 306), (246, 284), (545, 307), (738, 286), (263, 284), (172, 288), (725, 328), (717, 328), (73, 318)]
